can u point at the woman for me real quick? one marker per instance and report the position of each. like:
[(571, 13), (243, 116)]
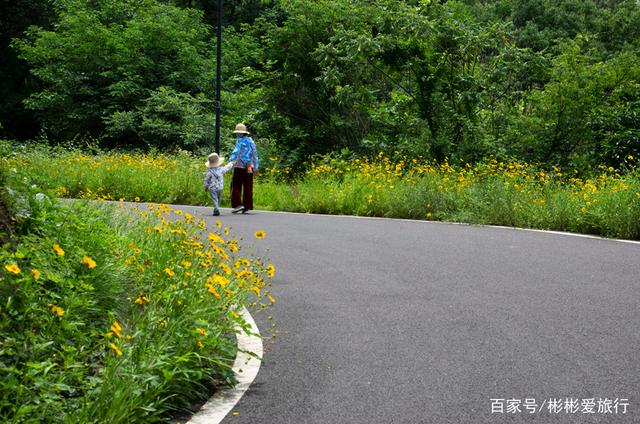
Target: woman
[(245, 155)]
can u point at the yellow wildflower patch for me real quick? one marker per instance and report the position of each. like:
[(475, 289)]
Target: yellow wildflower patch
[(224, 267), (115, 348), (57, 310), (90, 263), (218, 279), (12, 268), (271, 271), (116, 329), (57, 249), (213, 291), (214, 238)]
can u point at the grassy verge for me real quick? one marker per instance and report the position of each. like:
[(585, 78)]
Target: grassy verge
[(116, 316), (510, 194), (514, 194)]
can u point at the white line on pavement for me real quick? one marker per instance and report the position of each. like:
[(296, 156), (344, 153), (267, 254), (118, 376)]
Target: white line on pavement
[(245, 367), (562, 233)]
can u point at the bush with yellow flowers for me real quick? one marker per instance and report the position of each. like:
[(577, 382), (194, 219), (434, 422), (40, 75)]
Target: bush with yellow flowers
[(602, 201), (119, 316)]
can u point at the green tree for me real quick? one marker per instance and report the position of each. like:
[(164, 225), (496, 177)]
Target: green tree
[(112, 58), (15, 82), (586, 114), (381, 74)]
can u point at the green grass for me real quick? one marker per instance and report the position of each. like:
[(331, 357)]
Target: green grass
[(606, 203), (118, 316)]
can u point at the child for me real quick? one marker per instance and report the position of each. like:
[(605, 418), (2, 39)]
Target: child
[(214, 179)]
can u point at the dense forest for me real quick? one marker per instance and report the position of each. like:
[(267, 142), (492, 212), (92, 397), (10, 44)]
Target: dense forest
[(554, 82)]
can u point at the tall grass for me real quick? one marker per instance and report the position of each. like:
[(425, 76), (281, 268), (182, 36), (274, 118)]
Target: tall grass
[(606, 203), (116, 316)]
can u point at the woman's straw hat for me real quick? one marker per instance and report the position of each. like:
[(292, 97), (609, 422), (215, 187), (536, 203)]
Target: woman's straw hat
[(241, 129), (214, 161)]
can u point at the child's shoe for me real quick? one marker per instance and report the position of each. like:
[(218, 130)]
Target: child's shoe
[(216, 212)]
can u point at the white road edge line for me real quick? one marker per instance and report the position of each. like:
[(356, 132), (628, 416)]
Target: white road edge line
[(245, 368), (535, 230)]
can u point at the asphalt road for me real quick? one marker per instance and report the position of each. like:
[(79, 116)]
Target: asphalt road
[(391, 321)]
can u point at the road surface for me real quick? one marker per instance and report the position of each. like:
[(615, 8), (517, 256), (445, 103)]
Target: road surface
[(394, 321)]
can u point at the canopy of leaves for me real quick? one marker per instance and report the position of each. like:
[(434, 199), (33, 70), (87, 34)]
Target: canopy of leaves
[(554, 82)]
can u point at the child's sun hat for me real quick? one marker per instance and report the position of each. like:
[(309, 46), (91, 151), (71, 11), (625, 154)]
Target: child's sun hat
[(214, 161)]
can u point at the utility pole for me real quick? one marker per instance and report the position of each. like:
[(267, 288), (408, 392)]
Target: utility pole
[(218, 72)]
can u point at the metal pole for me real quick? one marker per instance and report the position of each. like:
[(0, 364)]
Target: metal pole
[(218, 72)]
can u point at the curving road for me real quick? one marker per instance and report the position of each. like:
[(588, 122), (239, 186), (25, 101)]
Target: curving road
[(391, 321)]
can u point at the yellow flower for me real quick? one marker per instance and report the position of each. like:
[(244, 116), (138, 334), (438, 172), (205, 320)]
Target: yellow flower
[(186, 264), (218, 224), (218, 279), (271, 271), (226, 231), (117, 330), (256, 290), (58, 249), (199, 344), (260, 234), (57, 310), (245, 273), (89, 262), (141, 300), (12, 268), (213, 291), (272, 299), (36, 274), (137, 199), (115, 349), (233, 314), (214, 238), (226, 268), (169, 272), (202, 332)]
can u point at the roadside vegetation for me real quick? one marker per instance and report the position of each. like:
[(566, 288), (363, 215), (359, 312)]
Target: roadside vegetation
[(115, 315), (512, 112), (605, 201)]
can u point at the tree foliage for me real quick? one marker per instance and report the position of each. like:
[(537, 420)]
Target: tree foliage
[(116, 58), (554, 82)]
